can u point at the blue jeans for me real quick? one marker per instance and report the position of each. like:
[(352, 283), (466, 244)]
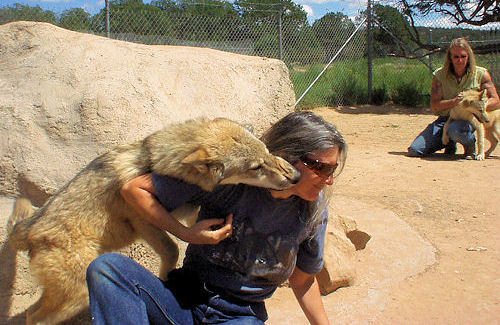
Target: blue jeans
[(123, 292), (429, 141)]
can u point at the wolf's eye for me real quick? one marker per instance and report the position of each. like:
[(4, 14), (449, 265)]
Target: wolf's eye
[(255, 167)]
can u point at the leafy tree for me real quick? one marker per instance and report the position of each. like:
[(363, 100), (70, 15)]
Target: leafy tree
[(132, 16), (75, 19), (209, 20), (209, 8), (167, 6), (22, 12), (331, 31), (263, 16), (261, 22), (393, 30), (302, 46)]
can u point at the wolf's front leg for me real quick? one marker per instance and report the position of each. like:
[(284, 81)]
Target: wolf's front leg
[(480, 142), (444, 138)]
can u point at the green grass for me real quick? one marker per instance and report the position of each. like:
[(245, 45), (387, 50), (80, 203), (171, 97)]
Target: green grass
[(345, 82)]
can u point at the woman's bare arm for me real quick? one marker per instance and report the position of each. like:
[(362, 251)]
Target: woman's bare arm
[(493, 100), (439, 104), (306, 290), (140, 194)]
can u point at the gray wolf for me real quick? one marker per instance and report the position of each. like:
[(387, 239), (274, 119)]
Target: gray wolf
[(472, 108), (88, 216)]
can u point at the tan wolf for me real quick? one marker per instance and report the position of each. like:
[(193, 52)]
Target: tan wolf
[(472, 108), (88, 216)]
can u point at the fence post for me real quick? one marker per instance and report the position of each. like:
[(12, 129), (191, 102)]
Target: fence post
[(430, 55), (107, 18), (370, 49), (280, 29)]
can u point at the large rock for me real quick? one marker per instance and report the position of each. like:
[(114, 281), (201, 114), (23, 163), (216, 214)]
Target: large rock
[(343, 239), (66, 97)]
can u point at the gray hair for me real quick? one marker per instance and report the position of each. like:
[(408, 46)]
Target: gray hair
[(302, 133)]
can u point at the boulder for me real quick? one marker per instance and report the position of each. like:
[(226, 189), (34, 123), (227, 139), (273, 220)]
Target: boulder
[(67, 97), (342, 241)]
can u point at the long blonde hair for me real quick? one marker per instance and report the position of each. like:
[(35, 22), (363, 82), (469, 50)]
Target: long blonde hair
[(448, 68)]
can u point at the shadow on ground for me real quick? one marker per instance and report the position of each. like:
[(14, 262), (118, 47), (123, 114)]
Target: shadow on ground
[(7, 276), (383, 110)]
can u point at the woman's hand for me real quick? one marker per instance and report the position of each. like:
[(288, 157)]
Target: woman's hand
[(459, 98), (209, 231)]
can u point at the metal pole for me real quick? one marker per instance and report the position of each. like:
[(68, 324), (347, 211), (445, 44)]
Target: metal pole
[(370, 50), (107, 18), (430, 55), (332, 59), (280, 29)]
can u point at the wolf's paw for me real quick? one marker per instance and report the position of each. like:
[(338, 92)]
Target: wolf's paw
[(479, 157)]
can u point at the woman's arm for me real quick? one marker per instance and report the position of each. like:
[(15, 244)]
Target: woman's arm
[(439, 104), (140, 194), (306, 290), (493, 100)]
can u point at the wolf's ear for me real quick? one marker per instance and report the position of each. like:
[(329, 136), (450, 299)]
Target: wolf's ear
[(198, 159)]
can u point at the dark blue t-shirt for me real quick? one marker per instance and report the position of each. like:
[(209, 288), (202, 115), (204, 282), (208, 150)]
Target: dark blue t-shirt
[(270, 237)]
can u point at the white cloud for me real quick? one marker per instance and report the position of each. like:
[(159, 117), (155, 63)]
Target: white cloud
[(309, 11)]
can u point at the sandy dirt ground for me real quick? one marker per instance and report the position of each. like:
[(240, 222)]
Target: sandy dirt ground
[(434, 252), (451, 203)]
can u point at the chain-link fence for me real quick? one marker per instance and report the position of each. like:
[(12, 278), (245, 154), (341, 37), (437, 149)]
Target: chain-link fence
[(400, 70)]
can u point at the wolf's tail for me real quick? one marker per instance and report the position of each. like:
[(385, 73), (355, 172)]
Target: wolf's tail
[(17, 226)]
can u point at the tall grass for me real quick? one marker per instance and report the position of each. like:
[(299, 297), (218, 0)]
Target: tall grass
[(345, 82)]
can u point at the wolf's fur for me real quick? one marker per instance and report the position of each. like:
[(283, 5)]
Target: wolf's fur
[(472, 108), (88, 216)]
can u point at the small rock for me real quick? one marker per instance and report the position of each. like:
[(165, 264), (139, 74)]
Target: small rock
[(477, 249)]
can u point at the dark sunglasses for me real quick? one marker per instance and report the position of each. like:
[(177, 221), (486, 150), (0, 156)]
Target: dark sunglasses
[(321, 169)]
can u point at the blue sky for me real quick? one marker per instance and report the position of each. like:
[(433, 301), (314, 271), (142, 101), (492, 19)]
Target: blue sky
[(315, 8)]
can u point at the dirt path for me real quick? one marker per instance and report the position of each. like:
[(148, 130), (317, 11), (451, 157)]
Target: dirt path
[(452, 203)]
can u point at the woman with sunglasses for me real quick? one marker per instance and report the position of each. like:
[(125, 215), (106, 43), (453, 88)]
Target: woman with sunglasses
[(263, 238), (458, 74)]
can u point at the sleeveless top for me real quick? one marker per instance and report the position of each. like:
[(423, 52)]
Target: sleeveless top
[(451, 87)]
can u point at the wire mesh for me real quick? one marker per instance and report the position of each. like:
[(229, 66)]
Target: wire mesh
[(305, 47)]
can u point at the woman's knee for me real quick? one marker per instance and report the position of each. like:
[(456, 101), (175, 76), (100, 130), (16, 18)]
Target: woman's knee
[(104, 266)]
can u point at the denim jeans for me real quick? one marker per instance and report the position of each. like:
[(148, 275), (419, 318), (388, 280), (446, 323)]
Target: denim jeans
[(429, 141), (123, 292)]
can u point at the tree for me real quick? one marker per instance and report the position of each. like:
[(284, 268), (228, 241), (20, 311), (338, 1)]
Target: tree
[(209, 8), (210, 20), (393, 30), (332, 30), (472, 12), (133, 16), (22, 12), (261, 21), (75, 19), (167, 6), (253, 9)]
